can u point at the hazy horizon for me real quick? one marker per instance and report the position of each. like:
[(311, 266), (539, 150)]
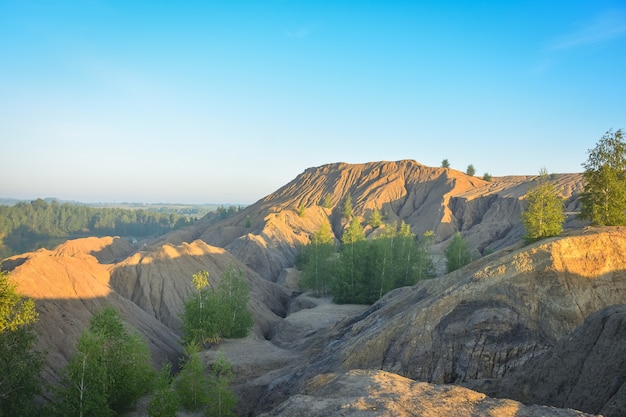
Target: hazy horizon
[(108, 100)]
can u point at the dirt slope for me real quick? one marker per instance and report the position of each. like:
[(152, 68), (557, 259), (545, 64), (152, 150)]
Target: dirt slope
[(148, 287), (437, 199)]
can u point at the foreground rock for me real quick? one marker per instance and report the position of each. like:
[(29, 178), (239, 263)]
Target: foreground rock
[(379, 393), (585, 370), (483, 321)]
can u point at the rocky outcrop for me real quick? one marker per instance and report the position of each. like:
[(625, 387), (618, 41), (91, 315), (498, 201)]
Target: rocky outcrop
[(265, 235), (379, 393), (483, 321), (492, 316), (585, 370)]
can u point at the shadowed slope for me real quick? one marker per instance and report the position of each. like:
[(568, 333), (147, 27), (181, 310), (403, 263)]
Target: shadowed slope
[(80, 277)]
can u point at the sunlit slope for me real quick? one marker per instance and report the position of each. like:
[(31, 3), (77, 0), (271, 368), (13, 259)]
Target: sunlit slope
[(266, 234)]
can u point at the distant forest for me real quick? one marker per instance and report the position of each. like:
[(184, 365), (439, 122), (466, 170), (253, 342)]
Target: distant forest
[(27, 226)]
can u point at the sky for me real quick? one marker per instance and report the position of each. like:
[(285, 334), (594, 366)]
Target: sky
[(227, 101)]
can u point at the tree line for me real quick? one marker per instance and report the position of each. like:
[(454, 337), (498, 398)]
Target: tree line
[(362, 270), (111, 369), (28, 226)]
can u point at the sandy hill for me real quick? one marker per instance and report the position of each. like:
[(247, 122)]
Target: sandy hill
[(148, 287), (428, 199)]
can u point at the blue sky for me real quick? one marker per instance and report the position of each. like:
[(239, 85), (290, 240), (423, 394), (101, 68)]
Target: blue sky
[(226, 101)]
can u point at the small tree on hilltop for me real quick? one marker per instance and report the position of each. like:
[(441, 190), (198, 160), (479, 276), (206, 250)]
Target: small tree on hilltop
[(471, 171), (445, 164), (604, 196), (544, 216)]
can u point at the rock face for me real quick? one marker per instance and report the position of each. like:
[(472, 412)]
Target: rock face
[(428, 199), (379, 393), (493, 316), (586, 370), (483, 321), (148, 287)]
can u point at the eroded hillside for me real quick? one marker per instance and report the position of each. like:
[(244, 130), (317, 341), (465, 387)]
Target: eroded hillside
[(487, 321), (428, 199), (148, 287)]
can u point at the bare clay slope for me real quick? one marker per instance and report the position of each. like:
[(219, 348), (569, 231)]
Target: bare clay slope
[(437, 199), (148, 287), (483, 321)]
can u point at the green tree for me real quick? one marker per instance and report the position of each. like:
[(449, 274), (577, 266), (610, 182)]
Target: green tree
[(233, 295), (347, 211), (375, 219), (318, 265), (210, 315), (222, 399), (108, 374), (457, 253), (347, 285), (301, 209), (201, 312), (471, 171), (164, 402), (445, 164), (544, 215), (192, 385), (487, 177), (327, 201), (354, 232), (604, 195), (20, 365)]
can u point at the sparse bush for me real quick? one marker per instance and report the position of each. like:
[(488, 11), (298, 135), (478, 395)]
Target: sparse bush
[(301, 210), (191, 384), (165, 400)]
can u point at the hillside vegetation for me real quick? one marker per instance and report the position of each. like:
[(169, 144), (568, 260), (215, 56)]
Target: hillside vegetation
[(491, 319)]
